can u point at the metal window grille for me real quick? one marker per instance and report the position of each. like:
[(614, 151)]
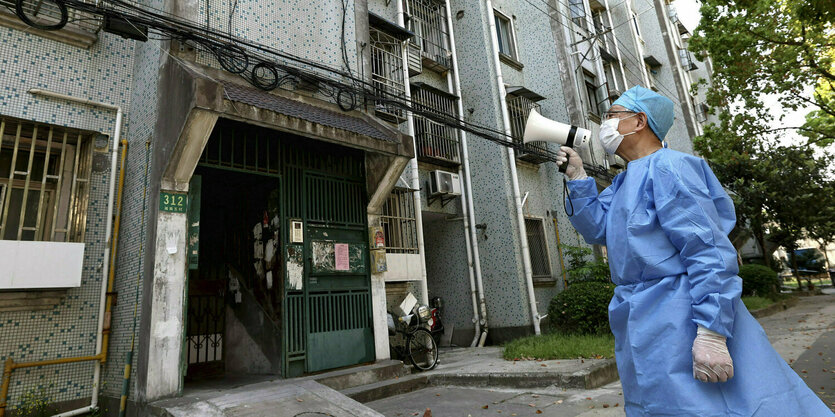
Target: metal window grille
[(436, 142), (42, 11), (44, 182), (701, 112), (540, 264), (427, 19), (520, 108), (387, 74), (398, 221), (687, 61)]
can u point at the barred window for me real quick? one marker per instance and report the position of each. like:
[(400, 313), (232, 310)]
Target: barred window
[(436, 143), (428, 21), (538, 248), (519, 108), (44, 181), (387, 74), (398, 221)]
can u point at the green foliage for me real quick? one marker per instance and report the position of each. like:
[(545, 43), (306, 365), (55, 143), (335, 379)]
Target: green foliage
[(759, 280), (581, 268), (582, 308), (561, 346), (762, 51), (755, 303), (34, 403)]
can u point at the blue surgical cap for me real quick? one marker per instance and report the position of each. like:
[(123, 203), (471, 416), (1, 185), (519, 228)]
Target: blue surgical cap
[(659, 109)]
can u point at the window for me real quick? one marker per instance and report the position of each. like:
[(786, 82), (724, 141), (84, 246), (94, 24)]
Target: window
[(387, 74), (594, 101), (519, 108), (504, 32), (44, 182), (578, 12), (427, 19), (538, 248), (635, 23), (436, 143), (398, 221)]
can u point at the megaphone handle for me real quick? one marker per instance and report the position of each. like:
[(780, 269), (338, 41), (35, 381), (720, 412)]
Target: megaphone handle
[(563, 167)]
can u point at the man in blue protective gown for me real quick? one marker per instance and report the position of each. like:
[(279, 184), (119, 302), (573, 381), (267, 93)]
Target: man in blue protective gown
[(684, 342)]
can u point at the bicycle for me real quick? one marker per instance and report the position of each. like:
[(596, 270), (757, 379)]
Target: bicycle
[(418, 344)]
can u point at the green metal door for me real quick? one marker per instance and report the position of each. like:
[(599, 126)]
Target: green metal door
[(338, 293)]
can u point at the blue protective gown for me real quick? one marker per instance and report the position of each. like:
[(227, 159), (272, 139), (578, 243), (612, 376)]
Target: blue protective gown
[(665, 222)]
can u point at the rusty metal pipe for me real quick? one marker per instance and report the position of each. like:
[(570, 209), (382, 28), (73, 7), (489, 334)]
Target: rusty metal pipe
[(10, 365)]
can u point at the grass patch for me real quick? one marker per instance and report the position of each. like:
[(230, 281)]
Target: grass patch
[(756, 303), (561, 346)]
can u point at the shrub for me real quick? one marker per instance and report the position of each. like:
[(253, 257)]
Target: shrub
[(759, 280), (582, 308), (581, 269)]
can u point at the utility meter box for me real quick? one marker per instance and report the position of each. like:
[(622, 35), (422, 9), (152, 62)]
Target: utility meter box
[(444, 183)]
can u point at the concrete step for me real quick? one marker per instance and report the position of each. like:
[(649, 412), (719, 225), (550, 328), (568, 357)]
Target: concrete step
[(352, 377), (389, 388)]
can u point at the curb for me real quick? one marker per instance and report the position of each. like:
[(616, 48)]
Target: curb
[(775, 308), (592, 377)]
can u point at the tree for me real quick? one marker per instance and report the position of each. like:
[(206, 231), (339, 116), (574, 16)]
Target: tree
[(782, 49), (765, 50)]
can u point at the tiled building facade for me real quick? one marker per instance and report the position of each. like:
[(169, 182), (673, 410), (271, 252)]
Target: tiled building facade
[(566, 58)]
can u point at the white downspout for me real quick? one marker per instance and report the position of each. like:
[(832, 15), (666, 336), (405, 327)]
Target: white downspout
[(108, 228), (523, 238), (473, 259), (413, 163)]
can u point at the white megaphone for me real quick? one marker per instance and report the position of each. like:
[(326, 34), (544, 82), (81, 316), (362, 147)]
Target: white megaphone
[(542, 129)]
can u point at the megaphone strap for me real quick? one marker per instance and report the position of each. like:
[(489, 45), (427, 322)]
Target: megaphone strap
[(569, 141)]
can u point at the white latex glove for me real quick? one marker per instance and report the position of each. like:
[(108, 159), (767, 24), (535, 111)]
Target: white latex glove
[(574, 170), (711, 360)]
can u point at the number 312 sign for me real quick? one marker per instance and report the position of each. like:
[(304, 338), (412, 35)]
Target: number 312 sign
[(173, 202)]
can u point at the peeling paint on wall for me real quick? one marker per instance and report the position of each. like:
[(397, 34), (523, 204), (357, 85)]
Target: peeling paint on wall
[(295, 267)]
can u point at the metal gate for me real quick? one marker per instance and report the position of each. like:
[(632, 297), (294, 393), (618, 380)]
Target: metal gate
[(326, 315)]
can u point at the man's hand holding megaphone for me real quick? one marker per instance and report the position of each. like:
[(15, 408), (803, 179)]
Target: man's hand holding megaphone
[(574, 170)]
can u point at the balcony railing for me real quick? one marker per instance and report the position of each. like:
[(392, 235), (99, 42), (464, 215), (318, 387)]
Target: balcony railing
[(427, 19), (387, 74), (520, 108), (436, 143)]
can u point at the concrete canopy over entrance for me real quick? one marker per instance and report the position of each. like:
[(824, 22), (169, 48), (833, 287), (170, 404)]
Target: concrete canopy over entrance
[(192, 99)]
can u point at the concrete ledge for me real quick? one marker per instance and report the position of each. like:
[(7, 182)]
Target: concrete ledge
[(774, 308), (592, 377)]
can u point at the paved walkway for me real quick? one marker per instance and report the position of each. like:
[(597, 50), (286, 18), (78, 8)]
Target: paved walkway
[(793, 333)]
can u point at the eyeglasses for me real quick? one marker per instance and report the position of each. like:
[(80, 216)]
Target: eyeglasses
[(614, 113)]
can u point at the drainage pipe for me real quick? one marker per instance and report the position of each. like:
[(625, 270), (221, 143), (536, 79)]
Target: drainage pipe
[(108, 228), (514, 178), (413, 164), (467, 201)]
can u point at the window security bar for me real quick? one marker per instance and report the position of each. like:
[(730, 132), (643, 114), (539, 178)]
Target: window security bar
[(427, 19), (41, 11), (398, 220), (538, 247), (44, 182), (387, 74), (520, 108), (436, 142)]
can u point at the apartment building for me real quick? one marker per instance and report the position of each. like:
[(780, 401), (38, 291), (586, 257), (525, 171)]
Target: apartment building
[(199, 189)]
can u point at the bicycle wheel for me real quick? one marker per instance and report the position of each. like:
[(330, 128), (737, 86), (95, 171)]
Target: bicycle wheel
[(42, 14), (422, 350)]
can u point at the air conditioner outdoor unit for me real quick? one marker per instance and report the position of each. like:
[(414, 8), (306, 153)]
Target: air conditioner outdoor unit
[(442, 182)]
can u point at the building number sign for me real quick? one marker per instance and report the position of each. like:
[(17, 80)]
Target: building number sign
[(173, 202)]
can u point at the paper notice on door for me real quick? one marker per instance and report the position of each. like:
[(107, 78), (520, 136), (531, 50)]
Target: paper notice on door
[(341, 254)]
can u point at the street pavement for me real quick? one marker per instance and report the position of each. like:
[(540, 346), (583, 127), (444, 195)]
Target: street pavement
[(803, 335)]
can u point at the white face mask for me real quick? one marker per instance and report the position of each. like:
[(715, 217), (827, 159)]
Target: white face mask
[(610, 138)]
